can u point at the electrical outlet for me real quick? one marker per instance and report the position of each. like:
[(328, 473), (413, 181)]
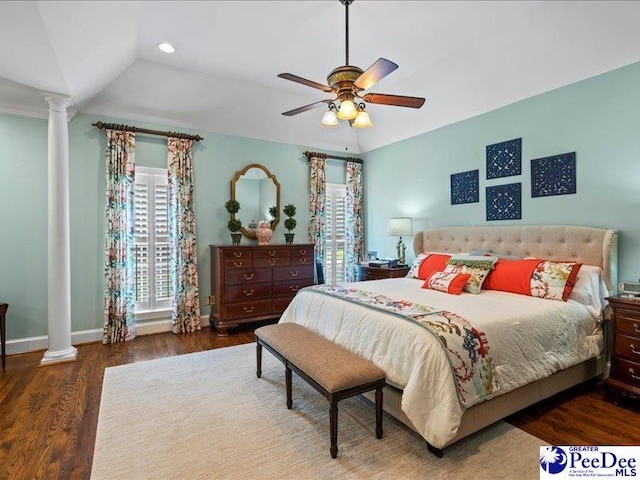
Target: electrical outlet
[(207, 300)]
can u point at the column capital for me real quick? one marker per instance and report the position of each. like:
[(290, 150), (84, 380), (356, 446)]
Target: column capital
[(57, 102)]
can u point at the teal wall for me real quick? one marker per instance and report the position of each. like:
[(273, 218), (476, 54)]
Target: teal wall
[(23, 208), (598, 118)]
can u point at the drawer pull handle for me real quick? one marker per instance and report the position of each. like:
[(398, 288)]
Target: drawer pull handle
[(237, 254), (632, 374), (249, 293), (237, 264), (633, 349), (272, 253), (272, 262), (293, 288), (302, 252), (294, 274), (248, 277), (637, 327), (248, 310), (302, 260)]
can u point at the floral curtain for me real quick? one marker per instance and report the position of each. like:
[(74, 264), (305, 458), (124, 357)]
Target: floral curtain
[(317, 194), (119, 272), (183, 259), (354, 221)]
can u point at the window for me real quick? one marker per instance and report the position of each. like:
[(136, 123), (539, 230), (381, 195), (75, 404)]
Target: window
[(334, 209), (151, 240)]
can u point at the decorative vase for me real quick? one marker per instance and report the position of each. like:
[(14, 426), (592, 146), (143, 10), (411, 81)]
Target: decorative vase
[(288, 238), (264, 233), (235, 238)]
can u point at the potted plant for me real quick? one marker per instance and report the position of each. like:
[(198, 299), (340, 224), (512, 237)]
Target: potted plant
[(289, 223), (234, 225), (273, 211)]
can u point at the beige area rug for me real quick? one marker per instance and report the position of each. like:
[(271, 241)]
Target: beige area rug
[(206, 415)]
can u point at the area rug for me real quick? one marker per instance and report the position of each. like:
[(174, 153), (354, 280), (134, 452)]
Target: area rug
[(206, 415)]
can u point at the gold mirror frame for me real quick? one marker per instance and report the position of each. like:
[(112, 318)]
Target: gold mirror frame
[(236, 177)]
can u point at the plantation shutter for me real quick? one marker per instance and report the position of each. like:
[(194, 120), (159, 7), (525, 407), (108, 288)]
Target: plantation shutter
[(151, 240), (335, 202)]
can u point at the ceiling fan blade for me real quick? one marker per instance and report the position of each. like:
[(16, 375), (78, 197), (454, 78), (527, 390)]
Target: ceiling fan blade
[(376, 72), (304, 81), (305, 108), (397, 100)]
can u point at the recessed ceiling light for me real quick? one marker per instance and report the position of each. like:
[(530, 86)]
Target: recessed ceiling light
[(166, 47)]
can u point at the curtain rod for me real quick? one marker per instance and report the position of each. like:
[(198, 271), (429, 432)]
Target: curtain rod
[(336, 157), (127, 128)]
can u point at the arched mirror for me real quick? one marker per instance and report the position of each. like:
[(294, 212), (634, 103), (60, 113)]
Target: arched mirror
[(257, 190)]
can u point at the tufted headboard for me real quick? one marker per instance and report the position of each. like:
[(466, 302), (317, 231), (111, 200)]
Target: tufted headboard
[(591, 246)]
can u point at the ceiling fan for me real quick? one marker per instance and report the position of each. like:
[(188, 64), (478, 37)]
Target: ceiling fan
[(348, 83)]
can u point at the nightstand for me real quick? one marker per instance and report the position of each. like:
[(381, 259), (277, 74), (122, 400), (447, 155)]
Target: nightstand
[(366, 272), (624, 378)]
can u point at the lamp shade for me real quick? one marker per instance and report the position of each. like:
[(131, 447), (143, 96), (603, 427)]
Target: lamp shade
[(329, 119), (400, 226), (362, 120)]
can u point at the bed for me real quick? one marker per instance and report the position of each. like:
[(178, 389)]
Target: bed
[(538, 347)]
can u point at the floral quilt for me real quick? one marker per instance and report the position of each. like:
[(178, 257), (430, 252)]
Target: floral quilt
[(467, 347)]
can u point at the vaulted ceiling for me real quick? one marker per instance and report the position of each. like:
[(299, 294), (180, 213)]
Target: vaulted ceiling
[(465, 58)]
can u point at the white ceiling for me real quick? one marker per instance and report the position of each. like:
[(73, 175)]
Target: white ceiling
[(465, 58)]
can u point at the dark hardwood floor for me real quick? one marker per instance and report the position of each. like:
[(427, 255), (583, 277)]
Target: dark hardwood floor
[(48, 415)]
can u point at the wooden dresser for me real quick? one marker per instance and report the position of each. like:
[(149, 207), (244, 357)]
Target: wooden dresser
[(625, 349), (253, 283)]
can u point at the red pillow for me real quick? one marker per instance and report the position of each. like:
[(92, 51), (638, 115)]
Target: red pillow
[(435, 262), (511, 276), (448, 282)]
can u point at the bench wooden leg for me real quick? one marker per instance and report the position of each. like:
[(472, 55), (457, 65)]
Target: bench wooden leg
[(379, 410), (287, 376), (259, 359), (333, 428)]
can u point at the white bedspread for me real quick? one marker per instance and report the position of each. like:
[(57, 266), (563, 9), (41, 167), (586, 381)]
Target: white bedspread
[(529, 339)]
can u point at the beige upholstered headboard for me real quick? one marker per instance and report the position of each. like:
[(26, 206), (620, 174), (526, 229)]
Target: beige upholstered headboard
[(591, 246)]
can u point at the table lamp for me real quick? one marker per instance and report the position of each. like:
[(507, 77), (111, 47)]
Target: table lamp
[(400, 226)]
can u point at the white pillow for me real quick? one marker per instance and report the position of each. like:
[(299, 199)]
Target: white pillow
[(590, 290)]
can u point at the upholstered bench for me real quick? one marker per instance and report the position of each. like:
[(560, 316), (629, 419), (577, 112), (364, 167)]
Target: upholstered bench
[(332, 370)]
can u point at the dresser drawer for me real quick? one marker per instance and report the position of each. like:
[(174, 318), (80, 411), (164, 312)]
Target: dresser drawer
[(290, 287), (302, 251), (271, 252), (293, 272), (248, 309), (232, 263), (236, 254), (247, 275), (627, 372), (280, 304), (271, 261), (250, 291), (627, 346), (301, 260), (627, 324)]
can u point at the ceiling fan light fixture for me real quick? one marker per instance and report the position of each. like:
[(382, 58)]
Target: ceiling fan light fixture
[(329, 119), (166, 47), (348, 110), (362, 120)]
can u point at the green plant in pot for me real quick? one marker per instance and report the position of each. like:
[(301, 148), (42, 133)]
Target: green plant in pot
[(272, 213), (290, 222), (234, 225)]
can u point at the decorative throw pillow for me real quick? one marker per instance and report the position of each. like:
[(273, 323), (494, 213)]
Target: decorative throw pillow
[(435, 262), (477, 267), (534, 277), (494, 254), (447, 282), (415, 266), (554, 280)]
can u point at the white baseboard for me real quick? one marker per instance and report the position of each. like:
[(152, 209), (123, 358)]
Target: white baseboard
[(32, 344)]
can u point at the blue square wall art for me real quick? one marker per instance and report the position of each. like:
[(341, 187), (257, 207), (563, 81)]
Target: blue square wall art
[(504, 202), (554, 175), (504, 159), (465, 187)]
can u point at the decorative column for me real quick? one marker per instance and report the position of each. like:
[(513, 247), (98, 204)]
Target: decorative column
[(59, 264)]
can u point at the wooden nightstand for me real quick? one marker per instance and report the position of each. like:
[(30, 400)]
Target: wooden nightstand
[(378, 273), (625, 349)]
